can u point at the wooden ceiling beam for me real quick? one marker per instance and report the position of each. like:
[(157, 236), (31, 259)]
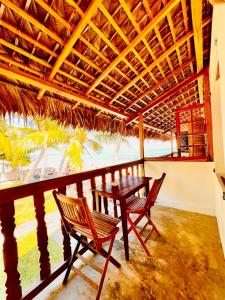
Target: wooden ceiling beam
[(69, 27), (152, 65), (32, 20), (106, 40), (158, 35), (166, 95), (169, 76), (53, 13), (136, 40), (124, 37), (171, 119), (41, 46), (185, 18), (186, 90), (19, 65), (196, 13), (72, 40), (44, 84), (40, 61), (162, 115), (150, 126), (47, 50), (137, 28), (190, 60)]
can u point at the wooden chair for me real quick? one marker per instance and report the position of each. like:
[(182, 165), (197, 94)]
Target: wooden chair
[(141, 207), (82, 225)]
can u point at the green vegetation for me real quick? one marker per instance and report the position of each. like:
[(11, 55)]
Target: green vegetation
[(16, 146), (29, 256), (25, 210)]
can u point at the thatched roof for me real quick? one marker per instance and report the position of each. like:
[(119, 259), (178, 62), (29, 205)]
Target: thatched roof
[(101, 63)]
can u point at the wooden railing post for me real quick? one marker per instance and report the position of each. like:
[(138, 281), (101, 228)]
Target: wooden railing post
[(36, 190), (10, 252), (105, 200), (66, 238), (93, 186), (42, 235), (80, 189)]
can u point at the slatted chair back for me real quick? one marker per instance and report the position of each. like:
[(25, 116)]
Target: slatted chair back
[(75, 213), (153, 194)]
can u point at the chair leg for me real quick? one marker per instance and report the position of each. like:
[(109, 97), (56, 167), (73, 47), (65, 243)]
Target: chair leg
[(105, 268), (112, 259), (73, 258), (143, 229), (138, 236), (153, 225), (135, 223)]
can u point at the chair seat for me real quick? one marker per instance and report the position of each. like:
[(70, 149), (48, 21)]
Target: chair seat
[(104, 225), (135, 203)]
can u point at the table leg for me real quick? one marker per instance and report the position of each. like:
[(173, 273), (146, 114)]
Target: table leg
[(124, 227)]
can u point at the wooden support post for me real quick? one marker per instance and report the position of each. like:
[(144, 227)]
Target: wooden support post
[(208, 114), (178, 133), (141, 141), (171, 141)]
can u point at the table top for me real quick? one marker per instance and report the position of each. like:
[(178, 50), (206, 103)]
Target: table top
[(127, 186)]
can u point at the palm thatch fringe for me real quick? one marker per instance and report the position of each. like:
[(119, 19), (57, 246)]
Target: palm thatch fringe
[(25, 103)]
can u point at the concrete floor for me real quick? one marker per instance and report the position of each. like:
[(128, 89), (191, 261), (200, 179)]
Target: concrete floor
[(187, 262)]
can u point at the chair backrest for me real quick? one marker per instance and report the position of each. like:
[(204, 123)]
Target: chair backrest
[(75, 213), (153, 194)]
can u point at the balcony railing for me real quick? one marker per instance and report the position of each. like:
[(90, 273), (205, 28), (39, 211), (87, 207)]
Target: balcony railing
[(36, 190)]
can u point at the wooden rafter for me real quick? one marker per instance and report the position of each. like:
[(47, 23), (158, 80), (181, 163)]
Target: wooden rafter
[(138, 38), (164, 115), (152, 65), (41, 27), (150, 14), (160, 83), (167, 101), (196, 13), (44, 84), (185, 18), (74, 37), (166, 95), (123, 58), (175, 46)]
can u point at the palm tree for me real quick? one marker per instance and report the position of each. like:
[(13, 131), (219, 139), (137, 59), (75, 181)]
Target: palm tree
[(80, 143), (11, 149), (48, 133), (116, 139)]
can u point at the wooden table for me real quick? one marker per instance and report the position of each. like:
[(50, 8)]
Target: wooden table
[(127, 186)]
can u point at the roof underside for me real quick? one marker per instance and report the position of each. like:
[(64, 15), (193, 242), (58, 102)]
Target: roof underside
[(101, 63)]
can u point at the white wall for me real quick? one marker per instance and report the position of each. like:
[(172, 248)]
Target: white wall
[(217, 88), (188, 185)]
